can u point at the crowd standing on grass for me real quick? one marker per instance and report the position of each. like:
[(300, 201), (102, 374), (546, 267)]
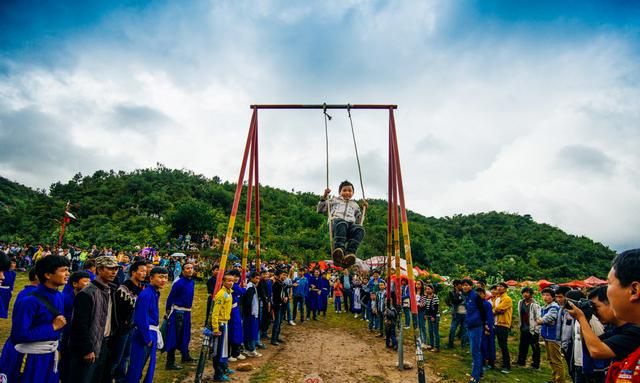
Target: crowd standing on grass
[(105, 325)]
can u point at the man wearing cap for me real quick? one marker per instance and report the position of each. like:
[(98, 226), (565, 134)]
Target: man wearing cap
[(94, 324)]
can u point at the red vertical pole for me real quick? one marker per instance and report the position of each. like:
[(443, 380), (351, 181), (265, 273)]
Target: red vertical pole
[(390, 188), (405, 221), (236, 202), (257, 193), (247, 216)]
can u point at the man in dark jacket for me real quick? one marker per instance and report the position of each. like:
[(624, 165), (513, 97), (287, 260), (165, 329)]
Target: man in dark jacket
[(265, 303), (280, 299), (94, 322), (347, 284), (125, 300)]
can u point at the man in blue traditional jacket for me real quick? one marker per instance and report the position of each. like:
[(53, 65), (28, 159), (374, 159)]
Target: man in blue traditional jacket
[(38, 320), (314, 293), (178, 311), (11, 360), (6, 289), (146, 336)]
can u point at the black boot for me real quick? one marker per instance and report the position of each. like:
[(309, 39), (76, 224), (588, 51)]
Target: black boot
[(171, 361)]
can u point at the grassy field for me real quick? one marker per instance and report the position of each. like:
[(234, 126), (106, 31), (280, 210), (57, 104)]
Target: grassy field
[(450, 365)]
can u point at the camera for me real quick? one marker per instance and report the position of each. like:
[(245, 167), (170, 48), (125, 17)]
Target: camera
[(583, 304)]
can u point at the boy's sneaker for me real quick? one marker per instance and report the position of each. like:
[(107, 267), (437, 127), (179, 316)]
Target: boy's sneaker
[(348, 260), (337, 255), (292, 323), (505, 371), (254, 354), (232, 359), (355, 316), (241, 357), (223, 378)]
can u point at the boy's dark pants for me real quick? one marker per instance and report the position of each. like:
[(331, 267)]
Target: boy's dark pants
[(347, 235), (529, 340), (502, 333), (390, 335)]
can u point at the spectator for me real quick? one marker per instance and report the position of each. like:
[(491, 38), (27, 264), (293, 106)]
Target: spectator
[(93, 325), (476, 323), (503, 313), (550, 334), (432, 312), (623, 293), (529, 313), (455, 300)]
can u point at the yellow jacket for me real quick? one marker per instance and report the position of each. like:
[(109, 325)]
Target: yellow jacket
[(503, 311), (221, 308)]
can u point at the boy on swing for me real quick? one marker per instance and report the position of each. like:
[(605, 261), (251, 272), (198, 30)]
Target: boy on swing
[(345, 216)]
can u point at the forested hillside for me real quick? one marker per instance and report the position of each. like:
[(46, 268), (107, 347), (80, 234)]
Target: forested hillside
[(153, 206)]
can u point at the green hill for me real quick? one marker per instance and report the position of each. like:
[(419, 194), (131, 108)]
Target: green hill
[(152, 206)]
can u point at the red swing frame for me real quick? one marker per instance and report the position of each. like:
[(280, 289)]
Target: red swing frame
[(396, 202)]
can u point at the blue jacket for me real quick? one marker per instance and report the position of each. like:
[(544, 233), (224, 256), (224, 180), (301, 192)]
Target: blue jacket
[(550, 322), (303, 287), (476, 314)]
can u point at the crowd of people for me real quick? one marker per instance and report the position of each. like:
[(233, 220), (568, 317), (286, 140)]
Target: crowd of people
[(589, 336), (105, 325)]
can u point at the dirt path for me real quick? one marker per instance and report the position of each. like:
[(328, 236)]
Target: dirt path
[(337, 349)]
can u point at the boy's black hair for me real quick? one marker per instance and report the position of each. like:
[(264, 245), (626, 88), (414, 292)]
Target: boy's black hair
[(49, 265), (264, 271), (135, 266), (279, 272), (457, 282), (626, 267), (503, 284), (599, 293), (158, 270), (548, 290), (5, 263), (234, 272), (89, 263), (466, 282), (78, 275), (480, 290), (344, 183), (254, 274), (563, 290), (32, 274), (526, 290)]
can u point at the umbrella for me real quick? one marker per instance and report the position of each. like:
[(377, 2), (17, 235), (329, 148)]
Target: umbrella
[(543, 283), (575, 284), (511, 283), (594, 281), (178, 255)]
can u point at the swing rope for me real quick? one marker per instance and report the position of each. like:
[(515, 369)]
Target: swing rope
[(327, 117), (355, 145)]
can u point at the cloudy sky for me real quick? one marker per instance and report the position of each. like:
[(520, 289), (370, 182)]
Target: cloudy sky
[(518, 106)]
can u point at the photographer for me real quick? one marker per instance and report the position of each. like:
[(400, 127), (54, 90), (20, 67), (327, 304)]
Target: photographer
[(623, 294)]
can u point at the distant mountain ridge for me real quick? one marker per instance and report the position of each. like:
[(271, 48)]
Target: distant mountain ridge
[(151, 206)]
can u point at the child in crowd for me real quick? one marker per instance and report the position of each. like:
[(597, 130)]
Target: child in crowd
[(488, 344), (390, 322), (345, 216), (337, 296)]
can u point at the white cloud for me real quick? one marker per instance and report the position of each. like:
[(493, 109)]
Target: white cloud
[(486, 121)]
